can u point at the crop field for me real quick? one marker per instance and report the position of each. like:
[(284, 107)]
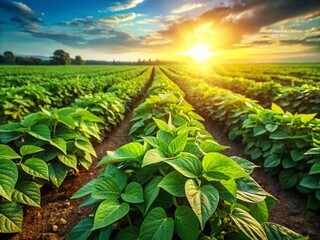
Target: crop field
[(167, 151)]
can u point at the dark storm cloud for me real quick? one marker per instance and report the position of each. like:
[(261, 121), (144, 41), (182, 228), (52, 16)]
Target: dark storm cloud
[(64, 38), (113, 41), (312, 41), (245, 17), (22, 14)]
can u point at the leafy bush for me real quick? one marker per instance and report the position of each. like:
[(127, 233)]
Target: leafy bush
[(50, 145)]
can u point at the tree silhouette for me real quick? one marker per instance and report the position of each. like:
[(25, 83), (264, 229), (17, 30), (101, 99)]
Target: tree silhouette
[(60, 57), (78, 60), (9, 57)]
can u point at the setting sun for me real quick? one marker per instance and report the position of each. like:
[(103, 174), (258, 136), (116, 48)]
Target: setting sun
[(199, 53)]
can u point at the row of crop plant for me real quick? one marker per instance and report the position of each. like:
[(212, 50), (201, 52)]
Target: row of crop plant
[(16, 102), (21, 75), (300, 99), (285, 74), (46, 146), (172, 182), (283, 141)]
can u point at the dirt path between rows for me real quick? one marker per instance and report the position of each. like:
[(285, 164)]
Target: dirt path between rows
[(291, 209)]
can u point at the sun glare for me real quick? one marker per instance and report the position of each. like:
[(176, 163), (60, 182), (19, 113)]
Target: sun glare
[(199, 53)]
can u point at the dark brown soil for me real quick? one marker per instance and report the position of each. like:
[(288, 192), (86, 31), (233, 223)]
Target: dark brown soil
[(59, 214)]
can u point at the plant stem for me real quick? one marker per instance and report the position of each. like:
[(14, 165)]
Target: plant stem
[(175, 202), (129, 220)]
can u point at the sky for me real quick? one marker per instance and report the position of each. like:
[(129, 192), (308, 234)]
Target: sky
[(230, 31)]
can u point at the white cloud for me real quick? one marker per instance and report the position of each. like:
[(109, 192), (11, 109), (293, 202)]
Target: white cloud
[(118, 6), (119, 18), (187, 7)]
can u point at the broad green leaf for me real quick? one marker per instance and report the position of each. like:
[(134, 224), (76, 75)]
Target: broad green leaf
[(86, 146), (203, 201), (178, 143), (315, 169), (194, 149), (250, 191), (278, 135), (59, 143), (275, 232), (57, 173), (189, 166), (246, 165), (133, 193), (186, 223), (296, 155), (69, 160), (8, 177), (36, 167), (68, 121), (162, 125), (288, 178), (83, 162), (165, 136), (271, 127), (216, 166), (151, 192), (135, 127), (153, 156), (276, 108), (312, 182), (90, 201), (128, 233), (211, 146), (174, 183), (85, 190), (157, 226), (82, 230), (227, 190), (259, 211), (11, 216), (30, 149), (85, 115), (131, 151), (27, 193), (7, 152), (305, 118), (157, 143), (36, 118), (313, 151), (255, 154), (40, 131), (247, 224), (259, 130), (117, 174), (108, 212), (273, 160), (106, 188)]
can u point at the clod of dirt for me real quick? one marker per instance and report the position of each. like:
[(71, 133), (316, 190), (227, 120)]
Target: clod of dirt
[(63, 221), (55, 228)]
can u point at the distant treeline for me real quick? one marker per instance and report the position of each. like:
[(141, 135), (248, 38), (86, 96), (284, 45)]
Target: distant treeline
[(60, 57)]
